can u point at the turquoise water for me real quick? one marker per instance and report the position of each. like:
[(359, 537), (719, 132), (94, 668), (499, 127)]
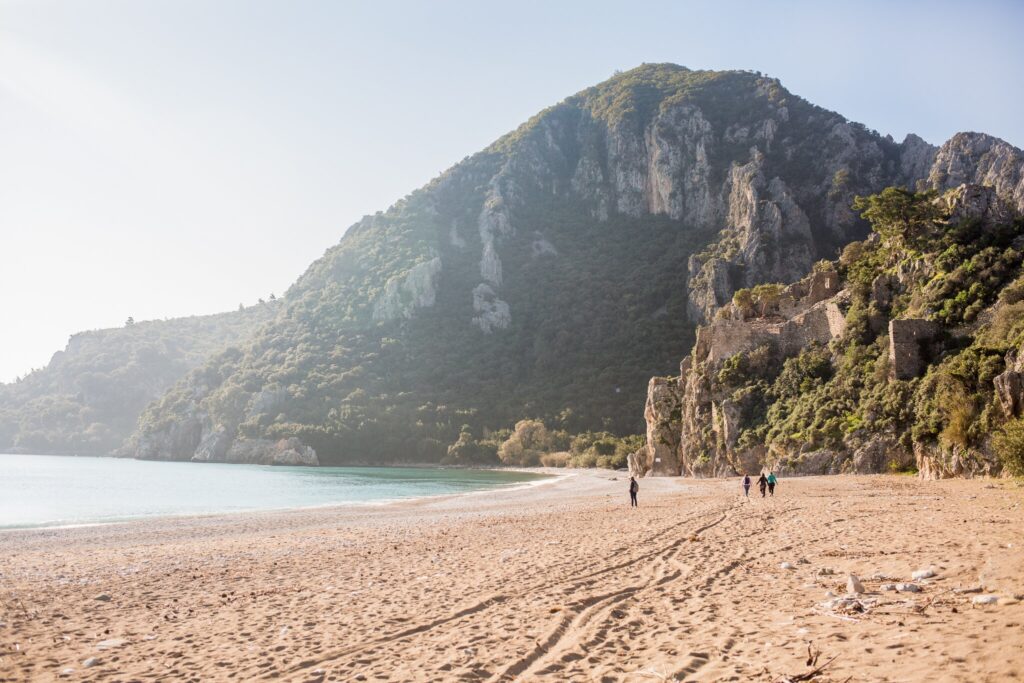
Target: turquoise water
[(42, 490)]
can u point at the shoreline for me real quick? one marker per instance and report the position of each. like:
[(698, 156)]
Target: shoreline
[(555, 582), (546, 478)]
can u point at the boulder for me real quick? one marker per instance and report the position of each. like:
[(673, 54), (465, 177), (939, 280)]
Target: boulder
[(289, 452)]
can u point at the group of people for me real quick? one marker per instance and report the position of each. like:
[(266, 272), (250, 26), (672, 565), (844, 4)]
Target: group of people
[(765, 483)]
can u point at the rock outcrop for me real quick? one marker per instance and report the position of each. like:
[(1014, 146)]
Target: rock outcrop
[(692, 427), (1009, 385), (285, 452), (904, 399), (662, 414)]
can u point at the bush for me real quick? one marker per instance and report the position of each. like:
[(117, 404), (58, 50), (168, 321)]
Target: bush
[(559, 459), (1008, 443)]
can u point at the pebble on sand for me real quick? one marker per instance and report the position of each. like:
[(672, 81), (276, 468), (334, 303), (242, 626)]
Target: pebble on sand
[(110, 643), (103, 597), (908, 588), (985, 599), (853, 584), (923, 574), (785, 565), (92, 661)]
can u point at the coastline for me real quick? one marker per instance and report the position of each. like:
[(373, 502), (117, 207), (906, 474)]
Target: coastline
[(538, 476), (560, 581)]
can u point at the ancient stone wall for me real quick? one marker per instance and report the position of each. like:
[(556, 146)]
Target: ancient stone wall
[(907, 339)]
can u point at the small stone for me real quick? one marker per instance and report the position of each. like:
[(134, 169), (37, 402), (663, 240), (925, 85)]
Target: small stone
[(785, 565), (67, 672), (923, 574), (825, 571), (92, 661), (829, 594), (103, 597), (908, 588), (853, 584), (888, 586), (110, 643), (985, 599)]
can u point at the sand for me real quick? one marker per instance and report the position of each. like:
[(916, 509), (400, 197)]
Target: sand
[(562, 581)]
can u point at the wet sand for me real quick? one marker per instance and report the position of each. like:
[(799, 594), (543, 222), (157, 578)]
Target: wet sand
[(561, 581)]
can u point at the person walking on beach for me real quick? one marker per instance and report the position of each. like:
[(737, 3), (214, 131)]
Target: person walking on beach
[(633, 488), (746, 485), (762, 483), (771, 484)]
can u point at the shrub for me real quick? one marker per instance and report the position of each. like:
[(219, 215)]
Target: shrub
[(1009, 446), (559, 459)]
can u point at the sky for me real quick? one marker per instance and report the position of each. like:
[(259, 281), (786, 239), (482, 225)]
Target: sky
[(161, 158)]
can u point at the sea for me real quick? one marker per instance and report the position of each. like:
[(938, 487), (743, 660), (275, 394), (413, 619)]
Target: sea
[(48, 491)]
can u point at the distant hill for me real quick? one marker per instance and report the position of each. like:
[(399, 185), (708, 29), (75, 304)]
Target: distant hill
[(87, 400)]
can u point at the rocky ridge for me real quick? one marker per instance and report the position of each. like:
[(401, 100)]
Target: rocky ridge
[(703, 423)]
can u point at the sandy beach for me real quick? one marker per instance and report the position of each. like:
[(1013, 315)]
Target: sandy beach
[(561, 581)]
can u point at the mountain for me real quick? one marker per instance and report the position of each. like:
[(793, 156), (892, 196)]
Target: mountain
[(550, 275), (905, 353), (88, 399)]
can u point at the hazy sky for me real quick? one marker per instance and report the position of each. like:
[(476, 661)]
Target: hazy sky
[(165, 158)]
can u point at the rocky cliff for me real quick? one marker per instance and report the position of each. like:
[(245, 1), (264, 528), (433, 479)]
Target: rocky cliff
[(551, 273), (903, 353)]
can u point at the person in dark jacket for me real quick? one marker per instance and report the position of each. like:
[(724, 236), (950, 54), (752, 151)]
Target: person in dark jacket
[(762, 483), (633, 489), (746, 485)]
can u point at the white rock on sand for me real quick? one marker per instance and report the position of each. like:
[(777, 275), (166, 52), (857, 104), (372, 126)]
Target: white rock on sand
[(923, 574), (110, 643), (908, 588), (853, 585), (985, 599)]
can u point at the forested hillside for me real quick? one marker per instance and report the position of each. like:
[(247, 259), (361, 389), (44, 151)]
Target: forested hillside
[(87, 400)]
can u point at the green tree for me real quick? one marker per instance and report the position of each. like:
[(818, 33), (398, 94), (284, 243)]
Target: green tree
[(901, 217)]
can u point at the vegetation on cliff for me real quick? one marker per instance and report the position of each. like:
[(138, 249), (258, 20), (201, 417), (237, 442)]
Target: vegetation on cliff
[(947, 269)]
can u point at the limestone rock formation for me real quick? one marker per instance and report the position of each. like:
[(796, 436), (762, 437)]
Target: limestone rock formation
[(285, 452), (692, 428), (909, 391), (1010, 384), (662, 415)]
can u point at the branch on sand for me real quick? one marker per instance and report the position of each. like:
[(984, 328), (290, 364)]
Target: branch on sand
[(813, 655)]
